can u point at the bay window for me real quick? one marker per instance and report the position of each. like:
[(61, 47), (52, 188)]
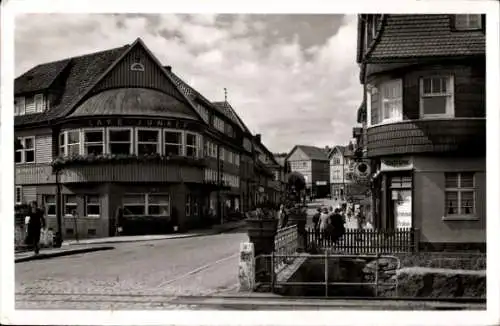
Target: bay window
[(173, 142), (92, 206), (26, 152), (391, 101), (69, 143), (436, 97), (148, 141), (459, 194), (119, 141), (468, 22), (93, 142), (191, 145)]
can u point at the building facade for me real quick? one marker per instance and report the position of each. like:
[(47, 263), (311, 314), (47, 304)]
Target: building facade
[(340, 171), (424, 112), (312, 162), (114, 138)]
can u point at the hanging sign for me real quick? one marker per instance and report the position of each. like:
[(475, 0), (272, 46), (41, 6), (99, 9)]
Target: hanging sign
[(387, 165)]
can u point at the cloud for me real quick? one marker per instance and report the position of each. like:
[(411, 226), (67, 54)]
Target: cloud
[(292, 78)]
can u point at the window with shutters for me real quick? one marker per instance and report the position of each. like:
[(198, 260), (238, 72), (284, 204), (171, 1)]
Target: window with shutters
[(460, 194)]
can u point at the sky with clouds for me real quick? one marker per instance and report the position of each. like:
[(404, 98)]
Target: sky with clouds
[(291, 78)]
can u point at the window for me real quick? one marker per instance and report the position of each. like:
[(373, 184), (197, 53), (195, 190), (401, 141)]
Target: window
[(173, 142), (134, 204), (69, 143), (39, 103), (159, 204), (468, 22), (92, 206), (19, 195), (137, 67), (120, 141), (191, 147), (93, 142), (69, 231), (26, 154), (391, 101), (230, 157), (50, 204), (188, 205), (436, 97), (237, 159), (219, 124), (459, 194), (148, 141), (70, 205), (20, 106), (91, 232)]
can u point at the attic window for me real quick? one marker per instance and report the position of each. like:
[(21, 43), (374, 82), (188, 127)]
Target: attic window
[(468, 22), (137, 65)]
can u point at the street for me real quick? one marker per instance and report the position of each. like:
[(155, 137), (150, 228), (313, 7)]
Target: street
[(139, 275)]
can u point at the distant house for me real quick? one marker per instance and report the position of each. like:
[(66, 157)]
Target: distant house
[(340, 175), (312, 162), (425, 117)]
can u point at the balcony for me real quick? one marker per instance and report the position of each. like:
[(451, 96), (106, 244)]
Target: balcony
[(459, 135)]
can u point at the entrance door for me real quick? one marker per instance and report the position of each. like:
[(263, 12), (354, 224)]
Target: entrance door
[(400, 202)]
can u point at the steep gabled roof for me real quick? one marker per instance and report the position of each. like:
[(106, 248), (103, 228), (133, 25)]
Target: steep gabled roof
[(424, 35), (39, 77), (81, 71), (226, 109), (314, 153), (338, 148)]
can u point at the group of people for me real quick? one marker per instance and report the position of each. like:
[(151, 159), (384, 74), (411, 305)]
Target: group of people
[(329, 223)]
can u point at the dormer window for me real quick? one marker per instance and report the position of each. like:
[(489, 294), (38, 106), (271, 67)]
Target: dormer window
[(468, 22)]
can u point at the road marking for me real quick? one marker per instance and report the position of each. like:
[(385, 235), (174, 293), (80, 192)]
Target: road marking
[(199, 269)]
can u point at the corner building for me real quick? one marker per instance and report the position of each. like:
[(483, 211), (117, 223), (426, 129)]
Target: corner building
[(425, 116), (126, 132)]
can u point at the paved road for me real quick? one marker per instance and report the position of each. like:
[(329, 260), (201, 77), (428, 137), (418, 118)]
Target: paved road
[(134, 275)]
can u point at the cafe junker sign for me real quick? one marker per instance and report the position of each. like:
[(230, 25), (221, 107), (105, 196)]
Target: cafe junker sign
[(154, 123), (400, 164)]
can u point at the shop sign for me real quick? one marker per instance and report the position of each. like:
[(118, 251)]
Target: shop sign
[(387, 165), (158, 123), (321, 183)]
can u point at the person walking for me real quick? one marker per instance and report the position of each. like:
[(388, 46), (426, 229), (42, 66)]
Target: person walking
[(324, 221), (315, 220), (35, 225), (337, 221)]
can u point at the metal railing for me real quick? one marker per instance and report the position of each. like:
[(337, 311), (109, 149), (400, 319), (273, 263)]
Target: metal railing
[(275, 282), (285, 245), (362, 241)]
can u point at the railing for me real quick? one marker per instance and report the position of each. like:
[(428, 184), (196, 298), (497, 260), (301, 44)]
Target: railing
[(375, 281), (285, 245), (360, 241)]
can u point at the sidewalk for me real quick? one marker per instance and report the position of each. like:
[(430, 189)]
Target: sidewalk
[(73, 247), (216, 229)]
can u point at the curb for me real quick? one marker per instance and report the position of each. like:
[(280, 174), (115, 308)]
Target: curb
[(63, 253), (172, 238)]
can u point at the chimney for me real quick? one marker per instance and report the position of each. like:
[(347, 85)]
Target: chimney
[(169, 68), (257, 136)]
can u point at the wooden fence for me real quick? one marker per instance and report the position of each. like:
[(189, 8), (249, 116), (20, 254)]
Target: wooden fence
[(356, 241)]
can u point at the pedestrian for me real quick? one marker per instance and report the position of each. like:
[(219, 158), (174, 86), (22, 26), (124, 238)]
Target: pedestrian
[(324, 221), (315, 221), (338, 227), (35, 225)]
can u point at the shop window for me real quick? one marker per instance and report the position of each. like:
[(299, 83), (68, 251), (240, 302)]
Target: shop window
[(92, 206), (459, 194), (93, 141), (436, 97), (119, 141), (50, 204), (173, 142), (188, 205), (468, 22), (191, 145), (19, 195), (148, 141), (91, 232), (26, 152), (158, 204), (134, 204), (70, 205)]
